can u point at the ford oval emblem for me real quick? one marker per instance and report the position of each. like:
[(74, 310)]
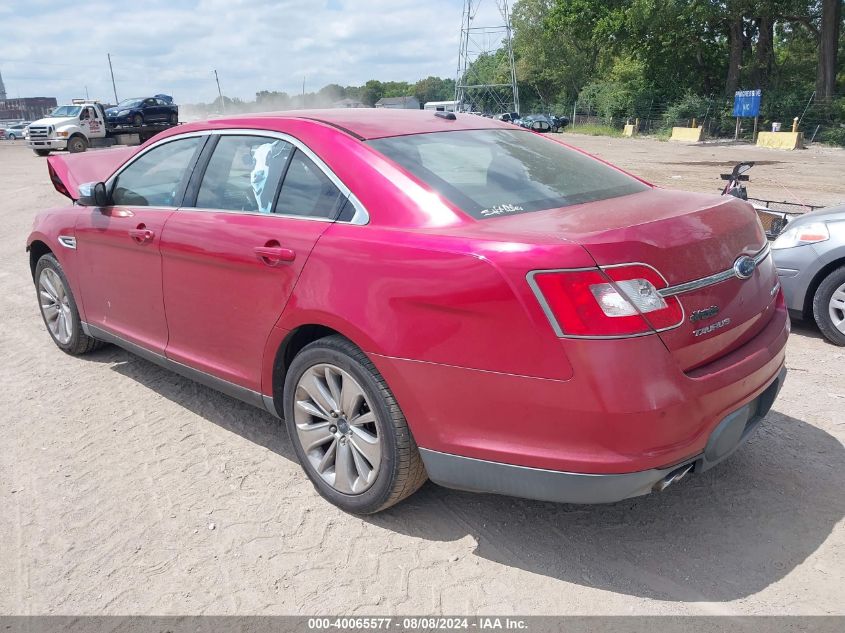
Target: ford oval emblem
[(744, 267)]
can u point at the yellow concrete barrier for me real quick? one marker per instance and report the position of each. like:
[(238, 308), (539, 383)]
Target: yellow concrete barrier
[(781, 140), (687, 134)]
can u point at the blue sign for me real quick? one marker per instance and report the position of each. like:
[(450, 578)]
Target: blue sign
[(747, 103)]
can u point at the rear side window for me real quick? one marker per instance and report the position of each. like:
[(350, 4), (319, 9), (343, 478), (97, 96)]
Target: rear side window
[(307, 191), (244, 173), (488, 173), (156, 178)]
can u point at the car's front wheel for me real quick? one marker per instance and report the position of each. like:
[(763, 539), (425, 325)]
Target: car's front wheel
[(137, 120), (829, 306), (77, 144), (347, 429), (58, 308)]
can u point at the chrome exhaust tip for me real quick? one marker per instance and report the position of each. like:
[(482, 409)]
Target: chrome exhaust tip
[(673, 477)]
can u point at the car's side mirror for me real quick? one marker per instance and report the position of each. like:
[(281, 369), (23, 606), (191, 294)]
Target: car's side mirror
[(93, 194)]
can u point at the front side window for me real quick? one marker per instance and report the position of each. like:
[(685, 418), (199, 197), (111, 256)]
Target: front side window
[(488, 173), (243, 174), (156, 178)]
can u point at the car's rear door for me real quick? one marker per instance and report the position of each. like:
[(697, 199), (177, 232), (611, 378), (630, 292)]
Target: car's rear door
[(232, 257), (119, 245)]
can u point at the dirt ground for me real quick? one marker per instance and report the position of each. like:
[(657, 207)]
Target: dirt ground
[(126, 489)]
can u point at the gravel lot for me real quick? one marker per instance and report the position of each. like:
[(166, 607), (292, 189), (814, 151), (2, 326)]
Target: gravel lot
[(126, 489)]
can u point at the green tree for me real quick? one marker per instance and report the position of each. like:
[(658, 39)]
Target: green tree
[(371, 92)]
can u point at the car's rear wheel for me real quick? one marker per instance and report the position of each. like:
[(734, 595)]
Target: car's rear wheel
[(174, 119), (347, 429), (77, 144), (11, 137), (829, 306), (137, 120), (58, 308)]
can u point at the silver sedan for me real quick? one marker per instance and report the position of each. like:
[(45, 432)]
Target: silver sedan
[(810, 258), (17, 130)]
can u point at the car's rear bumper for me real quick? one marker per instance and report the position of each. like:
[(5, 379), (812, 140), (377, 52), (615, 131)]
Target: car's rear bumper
[(477, 475), (628, 406)]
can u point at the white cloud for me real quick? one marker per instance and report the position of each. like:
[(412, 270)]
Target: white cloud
[(59, 49)]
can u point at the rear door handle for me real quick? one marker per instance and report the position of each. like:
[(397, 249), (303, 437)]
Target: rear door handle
[(274, 255), (142, 234)]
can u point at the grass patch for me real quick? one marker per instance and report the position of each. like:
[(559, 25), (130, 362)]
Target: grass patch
[(594, 130)]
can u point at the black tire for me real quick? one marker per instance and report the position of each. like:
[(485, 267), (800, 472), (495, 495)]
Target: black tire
[(77, 144), (42, 152), (137, 120), (79, 343), (821, 306), (401, 472), (174, 119), (12, 137)]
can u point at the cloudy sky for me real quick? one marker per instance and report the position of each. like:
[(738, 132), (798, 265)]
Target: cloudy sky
[(56, 48)]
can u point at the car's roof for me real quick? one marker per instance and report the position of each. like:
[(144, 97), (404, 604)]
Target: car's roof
[(370, 123)]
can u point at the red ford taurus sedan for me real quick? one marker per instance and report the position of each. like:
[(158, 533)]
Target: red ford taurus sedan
[(424, 295)]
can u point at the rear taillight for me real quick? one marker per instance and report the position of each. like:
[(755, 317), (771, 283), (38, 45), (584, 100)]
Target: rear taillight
[(616, 301)]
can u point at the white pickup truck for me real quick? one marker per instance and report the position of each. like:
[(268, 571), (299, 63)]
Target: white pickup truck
[(71, 127)]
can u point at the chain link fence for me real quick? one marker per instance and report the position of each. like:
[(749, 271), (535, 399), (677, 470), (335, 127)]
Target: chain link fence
[(820, 121)]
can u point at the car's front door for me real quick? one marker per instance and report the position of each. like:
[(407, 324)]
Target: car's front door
[(231, 261), (119, 245)]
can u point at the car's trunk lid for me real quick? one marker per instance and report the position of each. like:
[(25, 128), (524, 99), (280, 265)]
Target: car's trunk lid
[(686, 237)]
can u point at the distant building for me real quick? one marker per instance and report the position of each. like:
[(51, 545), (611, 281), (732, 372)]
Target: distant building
[(399, 103), (442, 106), (349, 103), (27, 108)]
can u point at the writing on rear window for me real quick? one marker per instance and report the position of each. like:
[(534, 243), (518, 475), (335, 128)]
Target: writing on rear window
[(500, 209)]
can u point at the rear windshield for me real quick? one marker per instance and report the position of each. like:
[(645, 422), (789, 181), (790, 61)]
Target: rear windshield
[(489, 173)]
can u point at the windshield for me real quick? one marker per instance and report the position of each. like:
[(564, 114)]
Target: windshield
[(129, 103), (66, 111), (488, 173)]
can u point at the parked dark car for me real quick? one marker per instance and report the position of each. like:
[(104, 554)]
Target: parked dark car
[(543, 122), (142, 111)]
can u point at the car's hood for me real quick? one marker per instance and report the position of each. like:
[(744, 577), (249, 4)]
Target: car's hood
[(828, 214), (54, 121), (68, 171)]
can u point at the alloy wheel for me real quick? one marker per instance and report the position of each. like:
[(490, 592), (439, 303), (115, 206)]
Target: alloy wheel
[(55, 305), (337, 428), (836, 308)]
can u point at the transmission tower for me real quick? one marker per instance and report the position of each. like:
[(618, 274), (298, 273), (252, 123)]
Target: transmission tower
[(480, 53)]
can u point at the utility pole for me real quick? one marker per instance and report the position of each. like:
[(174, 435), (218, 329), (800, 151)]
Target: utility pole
[(113, 85), (473, 91), (303, 91), (220, 92), (87, 98)]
